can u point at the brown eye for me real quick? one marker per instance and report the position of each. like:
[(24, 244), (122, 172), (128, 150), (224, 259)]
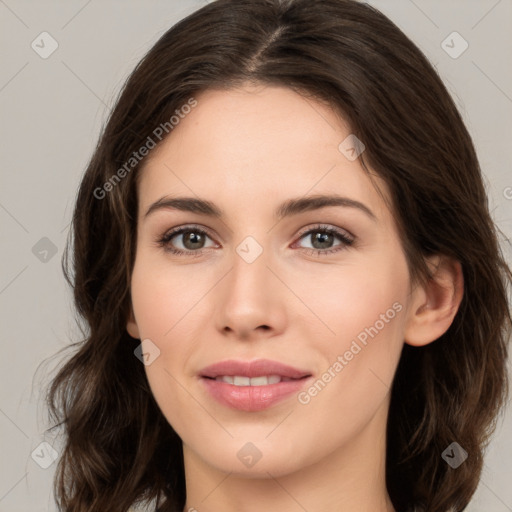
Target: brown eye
[(185, 240), (323, 238), (193, 240)]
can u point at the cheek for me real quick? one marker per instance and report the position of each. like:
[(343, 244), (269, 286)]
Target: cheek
[(168, 308), (363, 312), (163, 295), (351, 300), (161, 301)]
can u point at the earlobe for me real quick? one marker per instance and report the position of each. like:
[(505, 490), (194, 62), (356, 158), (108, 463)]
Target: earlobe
[(131, 325), (436, 303)]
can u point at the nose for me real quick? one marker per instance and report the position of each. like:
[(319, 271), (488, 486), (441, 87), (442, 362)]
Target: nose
[(251, 300)]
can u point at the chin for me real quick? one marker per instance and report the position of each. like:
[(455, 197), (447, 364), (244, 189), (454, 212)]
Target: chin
[(254, 460)]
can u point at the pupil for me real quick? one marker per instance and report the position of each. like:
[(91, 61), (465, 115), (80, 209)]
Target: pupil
[(323, 238), (193, 238)]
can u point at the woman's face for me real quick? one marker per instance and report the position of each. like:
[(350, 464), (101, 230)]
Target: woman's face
[(271, 276)]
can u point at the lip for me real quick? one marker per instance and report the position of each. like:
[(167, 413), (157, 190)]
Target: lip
[(252, 398), (252, 369)]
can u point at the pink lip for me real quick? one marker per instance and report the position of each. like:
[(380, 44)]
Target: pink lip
[(254, 368), (252, 398)]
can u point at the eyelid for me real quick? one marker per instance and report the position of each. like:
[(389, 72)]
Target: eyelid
[(320, 226), (190, 227)]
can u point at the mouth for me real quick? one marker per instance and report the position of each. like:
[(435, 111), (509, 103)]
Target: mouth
[(252, 385), (255, 369), (241, 380)]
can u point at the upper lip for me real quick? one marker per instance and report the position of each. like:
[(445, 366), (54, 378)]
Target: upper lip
[(256, 368)]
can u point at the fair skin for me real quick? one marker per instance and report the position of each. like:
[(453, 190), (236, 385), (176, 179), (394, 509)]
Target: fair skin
[(247, 151)]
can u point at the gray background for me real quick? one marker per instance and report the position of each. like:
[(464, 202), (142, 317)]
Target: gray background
[(52, 110)]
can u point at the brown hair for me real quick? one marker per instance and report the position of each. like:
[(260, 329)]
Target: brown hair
[(119, 448)]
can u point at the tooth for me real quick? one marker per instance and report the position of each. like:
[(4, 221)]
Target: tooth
[(263, 380), (259, 381), (241, 381)]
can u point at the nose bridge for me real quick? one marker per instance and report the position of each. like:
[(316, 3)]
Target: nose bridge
[(250, 298), (250, 274)]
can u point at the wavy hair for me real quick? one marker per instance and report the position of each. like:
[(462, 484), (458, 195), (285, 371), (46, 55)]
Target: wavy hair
[(119, 448)]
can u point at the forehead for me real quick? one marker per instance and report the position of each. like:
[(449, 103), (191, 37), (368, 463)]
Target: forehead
[(253, 144)]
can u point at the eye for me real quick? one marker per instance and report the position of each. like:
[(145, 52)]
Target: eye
[(191, 238), (322, 237)]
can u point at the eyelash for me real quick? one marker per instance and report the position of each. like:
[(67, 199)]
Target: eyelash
[(164, 240)]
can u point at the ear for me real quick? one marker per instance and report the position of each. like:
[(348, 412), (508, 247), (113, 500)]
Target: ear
[(131, 325), (436, 303)]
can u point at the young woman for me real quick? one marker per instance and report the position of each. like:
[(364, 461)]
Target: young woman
[(294, 291)]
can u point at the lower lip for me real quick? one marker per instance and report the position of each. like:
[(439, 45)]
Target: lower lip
[(252, 398)]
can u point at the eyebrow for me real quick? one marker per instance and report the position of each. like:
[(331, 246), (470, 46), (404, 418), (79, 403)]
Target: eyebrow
[(286, 209)]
